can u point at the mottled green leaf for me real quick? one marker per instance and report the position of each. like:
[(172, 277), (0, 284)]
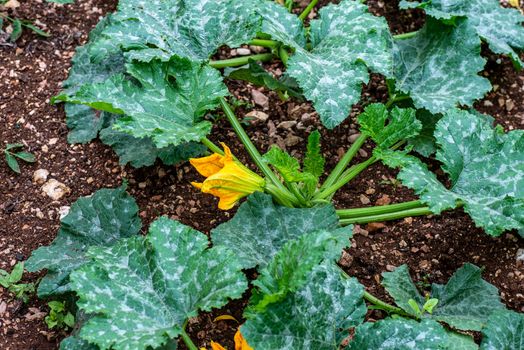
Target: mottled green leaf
[(280, 24), (400, 334), (98, 220), (260, 228), (290, 267), (438, 67), (465, 302), (76, 343), (316, 317), (457, 341), (164, 101), (486, 168), (143, 290), (192, 29), (504, 331), (387, 128), (345, 42), (500, 27)]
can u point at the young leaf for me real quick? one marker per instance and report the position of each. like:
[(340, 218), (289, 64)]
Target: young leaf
[(290, 267), (143, 290), (25, 156), (345, 41), (98, 220), (316, 317), (505, 330), (430, 304), (424, 143), (314, 160), (400, 334), (465, 302), (35, 29), (155, 106), (17, 30), (286, 165), (500, 27), (387, 128), (192, 29), (438, 67), (486, 169), (12, 162), (260, 228)]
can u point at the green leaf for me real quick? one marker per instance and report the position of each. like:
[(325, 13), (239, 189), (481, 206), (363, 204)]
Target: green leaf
[(192, 29), (345, 42), (500, 27), (486, 169), (465, 302), (260, 228), (8, 279), (314, 160), (387, 128), (286, 165), (25, 156), (458, 341), (290, 267), (170, 112), (430, 304), (77, 343), (438, 67), (142, 290), (11, 146), (316, 317), (12, 162), (17, 30), (280, 24), (141, 152), (424, 143), (504, 331), (257, 75), (35, 29), (98, 220), (400, 334)]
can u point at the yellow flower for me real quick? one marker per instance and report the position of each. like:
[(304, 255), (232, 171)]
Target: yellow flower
[(226, 178), (240, 343), (514, 3)]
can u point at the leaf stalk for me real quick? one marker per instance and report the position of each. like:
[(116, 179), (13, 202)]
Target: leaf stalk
[(240, 61)]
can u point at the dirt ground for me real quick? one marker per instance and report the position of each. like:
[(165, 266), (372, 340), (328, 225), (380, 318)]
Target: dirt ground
[(31, 72)]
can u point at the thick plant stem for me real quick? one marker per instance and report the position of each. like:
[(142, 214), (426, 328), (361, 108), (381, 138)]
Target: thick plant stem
[(240, 61), (383, 305), (377, 210), (211, 146), (405, 35), (387, 216), (283, 54), (307, 10), (250, 147), (279, 196), (344, 161), (187, 340)]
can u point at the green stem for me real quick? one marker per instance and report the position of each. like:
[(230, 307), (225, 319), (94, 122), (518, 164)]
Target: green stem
[(187, 340), (307, 10), (240, 61), (344, 161), (282, 198), (405, 35), (264, 43), (387, 216), (283, 54), (345, 178), (250, 147), (395, 98), (212, 147), (384, 306), (381, 209)]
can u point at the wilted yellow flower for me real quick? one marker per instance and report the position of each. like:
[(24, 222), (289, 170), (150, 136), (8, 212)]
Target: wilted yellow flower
[(226, 178), (240, 343)]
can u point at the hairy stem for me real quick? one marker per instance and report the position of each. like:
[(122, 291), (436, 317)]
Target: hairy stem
[(383, 305), (377, 210), (344, 161), (240, 61), (307, 10), (387, 216), (250, 147)]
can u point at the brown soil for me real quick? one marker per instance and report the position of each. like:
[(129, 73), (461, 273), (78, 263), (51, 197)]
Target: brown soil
[(32, 71)]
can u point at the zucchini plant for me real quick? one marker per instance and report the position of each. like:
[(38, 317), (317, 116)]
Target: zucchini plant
[(146, 83)]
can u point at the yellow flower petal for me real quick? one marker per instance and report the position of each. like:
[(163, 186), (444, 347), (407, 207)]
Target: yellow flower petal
[(216, 346), (209, 165), (240, 342)]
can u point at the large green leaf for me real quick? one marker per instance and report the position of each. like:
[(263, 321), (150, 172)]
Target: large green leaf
[(260, 228), (504, 331), (142, 290), (290, 267), (500, 27), (345, 42), (465, 302), (192, 29), (280, 24), (170, 112), (400, 334), (98, 220), (438, 67), (387, 128), (424, 143), (76, 343), (486, 168), (316, 317)]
